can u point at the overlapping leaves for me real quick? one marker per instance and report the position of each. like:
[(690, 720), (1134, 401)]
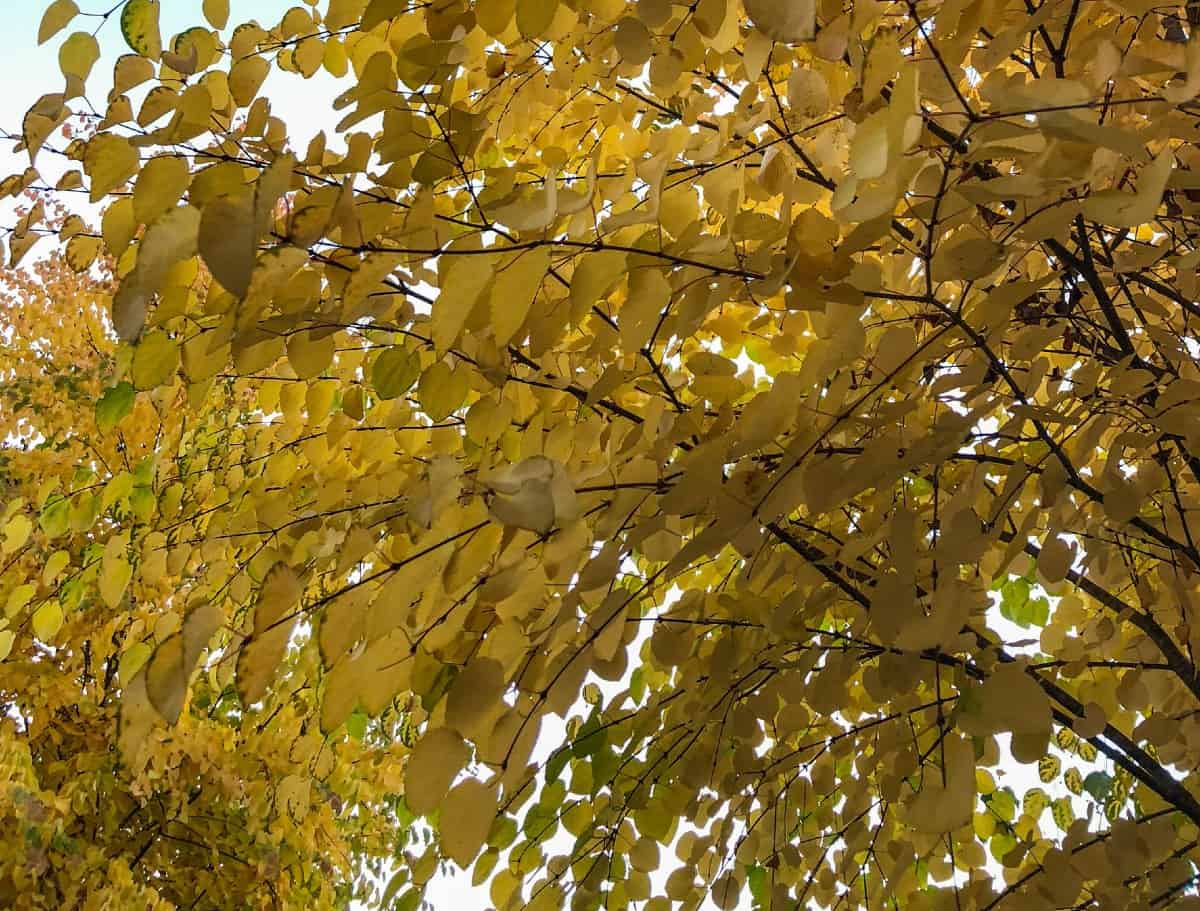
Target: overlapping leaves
[(799, 401)]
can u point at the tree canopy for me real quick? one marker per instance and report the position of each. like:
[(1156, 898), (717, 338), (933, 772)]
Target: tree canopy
[(651, 455)]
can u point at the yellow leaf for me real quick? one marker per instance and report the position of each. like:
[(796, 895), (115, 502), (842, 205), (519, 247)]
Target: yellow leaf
[(532, 494), (495, 17), (41, 120), (16, 533), (133, 659), (56, 564), (159, 187), (109, 161), (117, 226), (808, 92), (966, 257), (595, 275), (1048, 768), (533, 212), (20, 245), (336, 63), (726, 891), (378, 11), (1129, 210), (466, 817), (131, 71), (18, 598), (366, 280), (461, 283), (228, 242), (82, 251), (47, 620), (441, 390), (1092, 723), (273, 183), (115, 571), (78, 55), (394, 371), (139, 26), (170, 668), (535, 16), (433, 764), (217, 13), (475, 698), (1054, 561), (1009, 700), (513, 292), (58, 16), (246, 78), (6, 643), (167, 241), (137, 720), (274, 617), (649, 293), (309, 55), (155, 360), (938, 807), (790, 22), (310, 353), (632, 41)]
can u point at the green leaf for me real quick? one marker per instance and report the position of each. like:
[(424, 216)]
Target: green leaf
[(356, 725), (557, 762), (484, 866), (756, 879), (142, 502), (441, 390), (1039, 611), (55, 517), (605, 764), (919, 487), (399, 878), (1015, 591), (1003, 803), (1098, 784), (504, 832), (155, 360), (637, 686), (394, 372), (437, 689), (590, 737), (1001, 843), (540, 823), (143, 472)]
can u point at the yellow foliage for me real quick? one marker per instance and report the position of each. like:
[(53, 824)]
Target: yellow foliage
[(669, 452)]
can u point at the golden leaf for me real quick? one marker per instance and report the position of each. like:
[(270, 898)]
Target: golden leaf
[(109, 161), (434, 763), (171, 666), (274, 617), (466, 817), (228, 242)]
